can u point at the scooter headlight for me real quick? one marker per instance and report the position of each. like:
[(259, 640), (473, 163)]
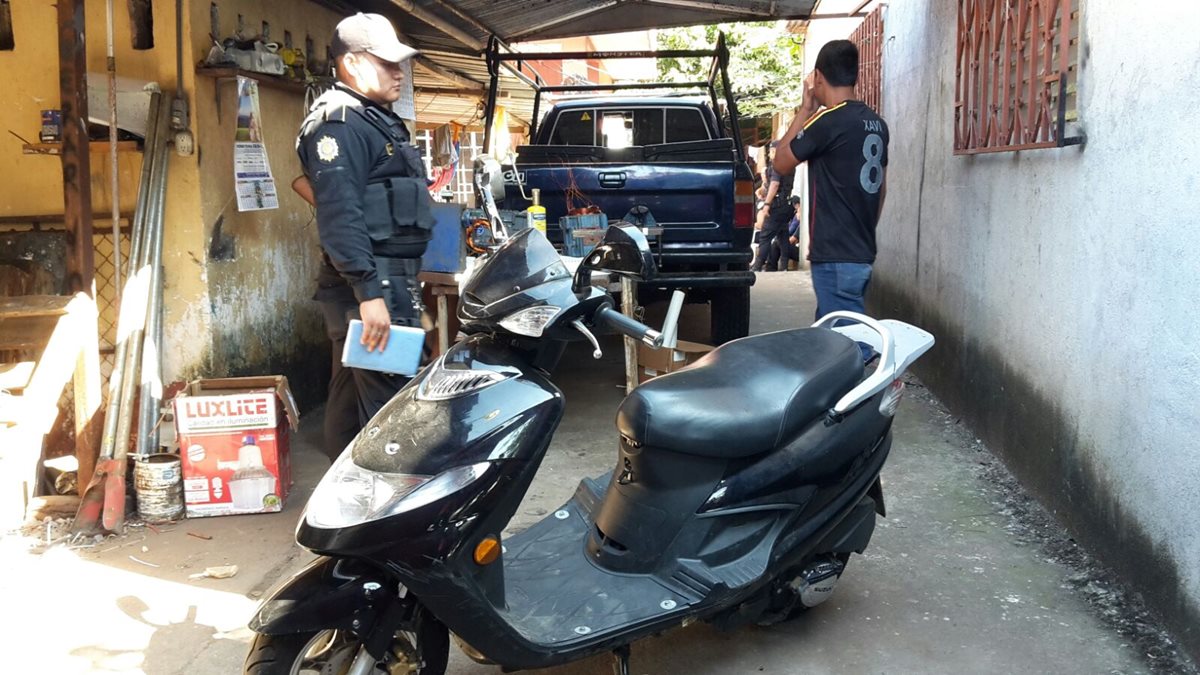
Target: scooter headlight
[(532, 321), (350, 495)]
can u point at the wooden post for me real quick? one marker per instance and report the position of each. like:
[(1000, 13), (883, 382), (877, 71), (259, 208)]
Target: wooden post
[(77, 216), (88, 397), (76, 165), (629, 308)]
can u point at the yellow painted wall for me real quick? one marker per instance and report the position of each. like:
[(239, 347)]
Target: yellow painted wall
[(251, 314), (264, 320), (32, 184)]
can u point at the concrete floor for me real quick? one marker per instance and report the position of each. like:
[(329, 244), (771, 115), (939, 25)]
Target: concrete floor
[(946, 586)]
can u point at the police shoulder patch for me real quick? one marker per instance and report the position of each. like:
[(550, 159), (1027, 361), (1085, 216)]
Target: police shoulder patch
[(327, 149)]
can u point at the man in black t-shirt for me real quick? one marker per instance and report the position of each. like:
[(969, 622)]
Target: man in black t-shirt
[(846, 147)]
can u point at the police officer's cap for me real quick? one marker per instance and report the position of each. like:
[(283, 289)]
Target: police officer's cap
[(371, 33)]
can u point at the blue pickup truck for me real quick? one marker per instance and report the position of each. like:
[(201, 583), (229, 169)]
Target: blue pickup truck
[(676, 159), (664, 156)]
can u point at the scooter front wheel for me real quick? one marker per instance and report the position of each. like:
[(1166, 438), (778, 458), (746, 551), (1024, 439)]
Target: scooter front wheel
[(421, 651)]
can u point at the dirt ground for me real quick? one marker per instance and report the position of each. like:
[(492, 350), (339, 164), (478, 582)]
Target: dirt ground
[(965, 575)]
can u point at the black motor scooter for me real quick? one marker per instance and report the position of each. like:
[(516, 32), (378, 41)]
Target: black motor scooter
[(739, 491)]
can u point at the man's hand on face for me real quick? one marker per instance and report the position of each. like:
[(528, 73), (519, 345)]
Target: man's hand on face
[(376, 323), (809, 105)]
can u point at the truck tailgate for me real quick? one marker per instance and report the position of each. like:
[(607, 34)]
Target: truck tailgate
[(688, 187)]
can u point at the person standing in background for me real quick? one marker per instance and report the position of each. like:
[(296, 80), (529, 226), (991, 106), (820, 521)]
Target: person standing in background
[(773, 237), (374, 213), (846, 147)]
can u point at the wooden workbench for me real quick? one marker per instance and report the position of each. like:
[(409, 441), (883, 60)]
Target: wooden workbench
[(440, 293)]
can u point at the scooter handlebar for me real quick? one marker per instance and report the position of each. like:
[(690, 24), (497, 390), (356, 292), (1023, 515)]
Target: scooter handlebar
[(630, 327)]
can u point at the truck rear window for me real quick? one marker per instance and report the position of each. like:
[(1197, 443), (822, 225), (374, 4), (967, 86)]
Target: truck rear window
[(685, 124), (625, 127)]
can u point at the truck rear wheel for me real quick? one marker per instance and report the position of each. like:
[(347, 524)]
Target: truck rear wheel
[(730, 308)]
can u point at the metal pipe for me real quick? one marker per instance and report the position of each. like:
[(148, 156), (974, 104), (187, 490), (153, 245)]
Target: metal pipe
[(112, 151), (640, 85), (493, 87), (580, 56), (736, 128), (112, 413), (179, 49), (150, 390), (152, 239)]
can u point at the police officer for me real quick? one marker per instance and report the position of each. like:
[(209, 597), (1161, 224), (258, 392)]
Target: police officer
[(374, 219)]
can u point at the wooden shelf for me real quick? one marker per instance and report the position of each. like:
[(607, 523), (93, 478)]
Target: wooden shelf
[(95, 146), (222, 74)]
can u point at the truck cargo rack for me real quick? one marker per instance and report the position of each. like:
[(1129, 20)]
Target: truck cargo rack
[(500, 56)]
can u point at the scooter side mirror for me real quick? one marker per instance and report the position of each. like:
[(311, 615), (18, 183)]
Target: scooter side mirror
[(623, 251)]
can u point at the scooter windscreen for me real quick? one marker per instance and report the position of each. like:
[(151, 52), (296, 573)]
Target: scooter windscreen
[(521, 287)]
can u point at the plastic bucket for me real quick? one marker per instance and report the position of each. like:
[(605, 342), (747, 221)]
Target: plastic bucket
[(158, 482)]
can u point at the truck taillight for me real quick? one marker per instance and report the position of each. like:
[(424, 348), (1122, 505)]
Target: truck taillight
[(743, 203)]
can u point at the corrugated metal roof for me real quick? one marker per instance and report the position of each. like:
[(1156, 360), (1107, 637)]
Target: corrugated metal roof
[(513, 20), (453, 33)]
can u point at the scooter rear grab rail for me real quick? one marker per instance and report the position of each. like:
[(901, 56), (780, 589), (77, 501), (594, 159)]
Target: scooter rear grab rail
[(882, 335)]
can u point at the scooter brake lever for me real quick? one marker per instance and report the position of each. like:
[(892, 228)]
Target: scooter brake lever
[(578, 324)]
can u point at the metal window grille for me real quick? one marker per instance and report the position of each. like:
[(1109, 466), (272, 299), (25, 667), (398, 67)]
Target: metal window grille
[(868, 37), (106, 290), (1015, 75), (462, 185)]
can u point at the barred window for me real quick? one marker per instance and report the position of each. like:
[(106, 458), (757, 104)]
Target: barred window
[(1016, 70), (868, 37)]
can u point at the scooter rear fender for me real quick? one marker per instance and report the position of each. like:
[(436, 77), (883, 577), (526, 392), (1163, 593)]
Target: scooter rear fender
[(328, 593)]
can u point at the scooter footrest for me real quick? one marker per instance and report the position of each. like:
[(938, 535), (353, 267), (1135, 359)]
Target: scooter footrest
[(556, 595), (694, 578)]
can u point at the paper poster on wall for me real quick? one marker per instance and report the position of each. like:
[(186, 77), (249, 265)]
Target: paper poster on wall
[(253, 182), (406, 106)]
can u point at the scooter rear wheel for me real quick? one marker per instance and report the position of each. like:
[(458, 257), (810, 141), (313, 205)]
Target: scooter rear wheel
[(424, 650)]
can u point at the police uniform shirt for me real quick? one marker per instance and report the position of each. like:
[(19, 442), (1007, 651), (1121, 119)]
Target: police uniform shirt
[(780, 212), (846, 148), (348, 144)]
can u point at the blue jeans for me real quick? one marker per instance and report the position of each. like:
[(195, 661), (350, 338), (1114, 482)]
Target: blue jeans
[(841, 287)]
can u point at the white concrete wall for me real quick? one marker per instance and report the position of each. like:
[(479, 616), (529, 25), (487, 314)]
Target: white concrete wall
[(1063, 283)]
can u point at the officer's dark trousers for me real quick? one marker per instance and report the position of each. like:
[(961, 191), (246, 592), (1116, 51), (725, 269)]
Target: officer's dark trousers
[(355, 395), (772, 240)]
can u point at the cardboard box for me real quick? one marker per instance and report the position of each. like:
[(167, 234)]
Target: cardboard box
[(654, 362), (233, 440)]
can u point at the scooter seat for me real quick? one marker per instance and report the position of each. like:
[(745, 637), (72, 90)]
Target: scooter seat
[(745, 397)]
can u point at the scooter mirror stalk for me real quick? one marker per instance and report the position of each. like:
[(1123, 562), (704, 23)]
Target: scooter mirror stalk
[(623, 251)]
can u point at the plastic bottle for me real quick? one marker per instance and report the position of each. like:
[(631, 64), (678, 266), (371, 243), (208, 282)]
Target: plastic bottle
[(537, 212)]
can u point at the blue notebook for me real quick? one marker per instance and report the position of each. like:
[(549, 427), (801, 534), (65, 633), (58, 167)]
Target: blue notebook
[(402, 356)]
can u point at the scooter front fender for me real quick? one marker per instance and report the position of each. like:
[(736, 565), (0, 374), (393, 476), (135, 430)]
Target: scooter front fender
[(328, 593)]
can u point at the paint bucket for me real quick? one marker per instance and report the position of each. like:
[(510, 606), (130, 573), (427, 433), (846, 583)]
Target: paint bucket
[(158, 481)]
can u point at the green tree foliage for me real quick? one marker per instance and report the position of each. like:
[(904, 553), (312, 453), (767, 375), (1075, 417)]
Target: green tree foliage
[(765, 62)]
